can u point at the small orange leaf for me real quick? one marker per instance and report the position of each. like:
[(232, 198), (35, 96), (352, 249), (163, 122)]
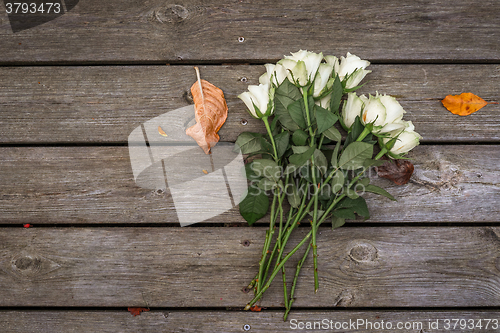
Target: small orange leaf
[(137, 311), (210, 113), (255, 308), (463, 104), (162, 132)]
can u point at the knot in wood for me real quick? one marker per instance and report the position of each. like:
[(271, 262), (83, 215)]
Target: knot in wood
[(30, 265), (171, 14), (363, 252), (25, 263)]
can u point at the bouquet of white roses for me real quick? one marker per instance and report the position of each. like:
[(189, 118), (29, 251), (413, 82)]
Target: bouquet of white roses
[(302, 158)]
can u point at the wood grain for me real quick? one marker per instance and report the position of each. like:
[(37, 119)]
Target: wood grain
[(209, 267), (189, 30), (95, 185), (111, 321), (104, 104)]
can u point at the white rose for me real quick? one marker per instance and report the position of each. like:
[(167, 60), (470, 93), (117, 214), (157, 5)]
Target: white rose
[(276, 73), (259, 100), (352, 108), (394, 114), (302, 66)]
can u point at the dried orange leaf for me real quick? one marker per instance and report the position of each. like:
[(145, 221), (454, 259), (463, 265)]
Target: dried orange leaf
[(162, 132), (137, 311), (205, 171), (463, 104), (255, 308), (210, 113)]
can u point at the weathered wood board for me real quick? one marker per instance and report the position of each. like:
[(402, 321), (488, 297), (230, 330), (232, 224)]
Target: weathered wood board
[(104, 104), (209, 267), (112, 321), (95, 185), (188, 30)]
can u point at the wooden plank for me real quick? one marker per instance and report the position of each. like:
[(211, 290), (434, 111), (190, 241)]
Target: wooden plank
[(233, 30), (104, 104), (95, 185), (209, 267), (46, 321)]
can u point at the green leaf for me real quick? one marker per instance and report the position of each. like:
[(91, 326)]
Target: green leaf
[(290, 168), (379, 190), (300, 158), (345, 213), (251, 175), (320, 161), (300, 149), (281, 140), (297, 114), (337, 222), (255, 205), (364, 181), (266, 184), (370, 162), (335, 155), (324, 118), (300, 137), (267, 168), (351, 193), (281, 112), (358, 205), (333, 134), (355, 154), (337, 92), (286, 88), (293, 195), (337, 181), (356, 129), (249, 143)]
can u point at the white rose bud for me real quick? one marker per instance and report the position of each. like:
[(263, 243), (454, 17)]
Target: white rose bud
[(352, 64), (322, 77), (373, 111), (276, 73), (352, 109), (259, 100), (356, 78), (394, 114), (324, 102), (406, 141), (302, 66)]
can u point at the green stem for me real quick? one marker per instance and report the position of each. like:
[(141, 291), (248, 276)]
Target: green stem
[(267, 244), (268, 128), (363, 134), (275, 272), (294, 283), (308, 117)]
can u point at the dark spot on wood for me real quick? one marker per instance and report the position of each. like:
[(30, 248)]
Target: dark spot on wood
[(363, 253), (171, 14), (241, 39), (243, 79), (244, 122), (344, 299), (246, 290), (246, 243)]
